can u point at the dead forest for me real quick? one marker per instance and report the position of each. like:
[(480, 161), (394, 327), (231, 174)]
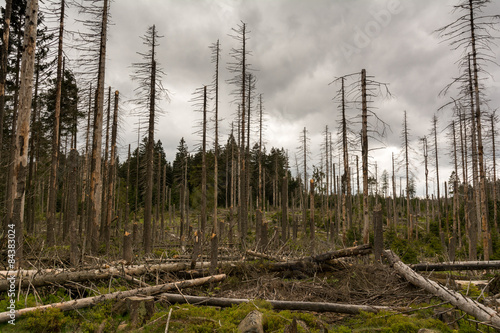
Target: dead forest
[(233, 233)]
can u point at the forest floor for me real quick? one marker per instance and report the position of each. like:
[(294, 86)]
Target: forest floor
[(358, 280)]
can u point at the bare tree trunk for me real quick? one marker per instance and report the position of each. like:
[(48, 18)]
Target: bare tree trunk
[(364, 150), (494, 180), (480, 151), (216, 230), (73, 207), (105, 170), (3, 66), (148, 201), (347, 173), (204, 166), (110, 183), (23, 128), (394, 197), (407, 164), (95, 197), (327, 174), (127, 239), (10, 185), (474, 153), (55, 137), (260, 197), (164, 194), (244, 189), (453, 240), (284, 210), (30, 190), (311, 220), (436, 154), (304, 201)]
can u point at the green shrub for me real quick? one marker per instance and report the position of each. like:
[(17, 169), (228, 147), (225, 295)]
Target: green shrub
[(50, 320)]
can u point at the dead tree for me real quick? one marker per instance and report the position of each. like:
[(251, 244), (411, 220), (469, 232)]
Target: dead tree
[(55, 135), (361, 91), (456, 226), (3, 66), (304, 151), (73, 207), (215, 231), (493, 119), (23, 127), (311, 219), (394, 196), (434, 132), (240, 67), (405, 160), (204, 166), (95, 195), (127, 239), (344, 132), (150, 90), (471, 33), (425, 153), (110, 182)]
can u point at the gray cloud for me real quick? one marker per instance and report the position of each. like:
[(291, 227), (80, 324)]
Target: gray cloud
[(297, 47)]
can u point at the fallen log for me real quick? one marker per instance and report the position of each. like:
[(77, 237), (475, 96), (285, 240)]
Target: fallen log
[(263, 256), (485, 314), (310, 264), (89, 301), (457, 266), (39, 278), (342, 253), (278, 305)]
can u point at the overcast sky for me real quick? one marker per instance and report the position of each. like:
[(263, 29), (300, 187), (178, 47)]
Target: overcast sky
[(298, 48)]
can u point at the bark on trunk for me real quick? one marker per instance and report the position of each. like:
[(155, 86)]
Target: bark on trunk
[(73, 207), (364, 156), (3, 66), (95, 197), (110, 182), (55, 137), (148, 201), (39, 278), (278, 305), (23, 127), (284, 210), (457, 266)]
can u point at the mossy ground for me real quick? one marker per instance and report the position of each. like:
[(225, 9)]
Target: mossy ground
[(191, 318)]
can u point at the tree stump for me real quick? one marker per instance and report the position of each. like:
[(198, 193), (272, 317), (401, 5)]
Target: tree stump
[(127, 247), (292, 327), (252, 323), (140, 309)]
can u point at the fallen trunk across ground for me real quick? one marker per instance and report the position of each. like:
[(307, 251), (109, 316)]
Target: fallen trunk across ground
[(37, 278), (485, 314), (89, 301), (309, 263), (278, 305), (457, 266)]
